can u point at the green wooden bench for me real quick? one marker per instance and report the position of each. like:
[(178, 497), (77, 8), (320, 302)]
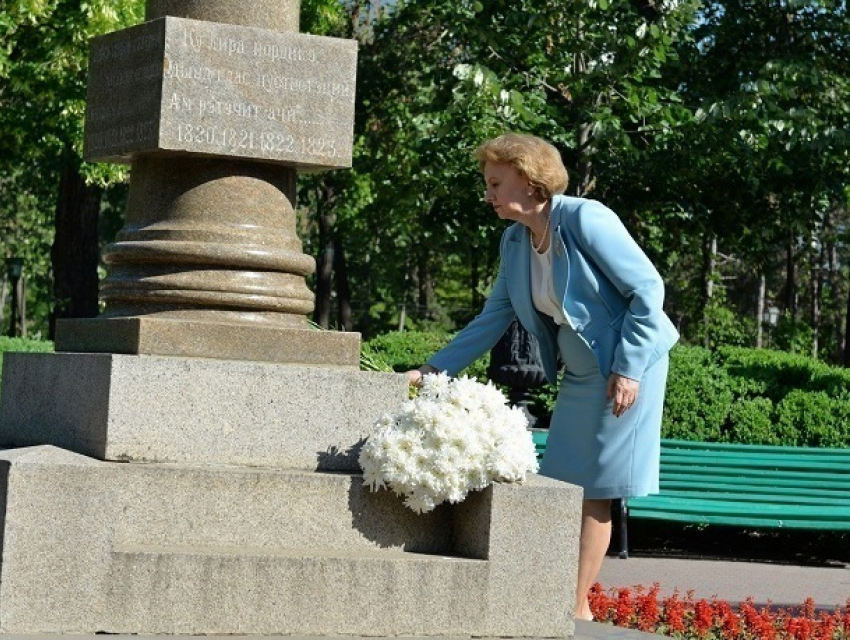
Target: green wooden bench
[(742, 485)]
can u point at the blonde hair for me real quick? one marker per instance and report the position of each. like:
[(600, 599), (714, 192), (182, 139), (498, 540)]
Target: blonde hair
[(533, 157)]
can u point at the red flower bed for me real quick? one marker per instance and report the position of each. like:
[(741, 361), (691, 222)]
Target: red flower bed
[(687, 618)]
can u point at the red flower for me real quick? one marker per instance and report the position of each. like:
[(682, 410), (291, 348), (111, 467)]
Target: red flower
[(716, 620), (625, 610), (601, 605), (674, 613), (647, 609), (758, 623), (799, 628), (730, 623), (808, 611), (703, 618)]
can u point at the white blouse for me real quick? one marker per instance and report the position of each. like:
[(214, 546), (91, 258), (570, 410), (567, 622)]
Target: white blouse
[(542, 285)]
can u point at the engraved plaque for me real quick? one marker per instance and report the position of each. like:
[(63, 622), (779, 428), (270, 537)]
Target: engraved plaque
[(181, 85)]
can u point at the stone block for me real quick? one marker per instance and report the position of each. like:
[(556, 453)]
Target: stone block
[(161, 409), (179, 549), (190, 86), (152, 335)]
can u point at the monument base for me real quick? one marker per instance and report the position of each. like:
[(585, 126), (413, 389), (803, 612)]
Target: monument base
[(195, 410), (141, 335), (92, 546)]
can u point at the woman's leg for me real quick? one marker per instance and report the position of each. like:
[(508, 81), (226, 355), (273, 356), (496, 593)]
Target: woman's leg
[(595, 538)]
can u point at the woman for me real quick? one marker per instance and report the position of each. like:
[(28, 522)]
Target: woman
[(574, 277)]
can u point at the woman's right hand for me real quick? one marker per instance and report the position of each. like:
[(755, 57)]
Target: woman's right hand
[(414, 376)]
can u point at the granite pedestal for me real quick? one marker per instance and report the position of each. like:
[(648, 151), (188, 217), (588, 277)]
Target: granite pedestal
[(91, 546)]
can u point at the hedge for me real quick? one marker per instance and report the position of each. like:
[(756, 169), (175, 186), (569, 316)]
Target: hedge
[(404, 350)]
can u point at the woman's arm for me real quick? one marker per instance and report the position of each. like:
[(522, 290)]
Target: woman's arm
[(479, 336)]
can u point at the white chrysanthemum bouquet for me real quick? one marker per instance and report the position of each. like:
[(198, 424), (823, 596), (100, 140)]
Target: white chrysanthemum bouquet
[(455, 436)]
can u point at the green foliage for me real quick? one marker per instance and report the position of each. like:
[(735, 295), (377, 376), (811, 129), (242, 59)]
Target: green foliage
[(43, 70), (769, 397), (815, 418), (23, 345), (752, 420), (698, 397), (794, 336), (723, 327), (405, 350)]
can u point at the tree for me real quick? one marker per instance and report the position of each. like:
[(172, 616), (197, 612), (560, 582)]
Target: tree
[(768, 150), (43, 64)]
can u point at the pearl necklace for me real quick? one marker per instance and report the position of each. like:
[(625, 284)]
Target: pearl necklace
[(545, 233)]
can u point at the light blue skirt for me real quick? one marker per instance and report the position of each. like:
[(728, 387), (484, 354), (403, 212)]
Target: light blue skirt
[(608, 457)]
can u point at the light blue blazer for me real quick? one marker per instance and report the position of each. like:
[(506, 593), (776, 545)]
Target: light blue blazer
[(612, 295)]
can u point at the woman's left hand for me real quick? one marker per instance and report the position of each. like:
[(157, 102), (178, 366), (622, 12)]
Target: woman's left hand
[(623, 391)]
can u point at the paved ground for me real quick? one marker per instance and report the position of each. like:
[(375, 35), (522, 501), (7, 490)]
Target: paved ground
[(779, 584)]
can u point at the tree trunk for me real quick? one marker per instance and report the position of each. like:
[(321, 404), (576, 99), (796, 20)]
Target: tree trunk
[(365, 322), (3, 289), (75, 253), (708, 268), (584, 184), (817, 292), (834, 278), (475, 276), (790, 280), (324, 280), (325, 259), (847, 333), (760, 310), (22, 305), (425, 287), (343, 288)]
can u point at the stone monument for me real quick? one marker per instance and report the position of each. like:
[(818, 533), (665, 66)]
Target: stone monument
[(186, 463), (215, 118)]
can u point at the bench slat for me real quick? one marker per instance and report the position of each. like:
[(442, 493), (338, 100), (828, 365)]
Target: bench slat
[(785, 483), (753, 496), (757, 463), (711, 505), (755, 522), (753, 448), (833, 479)]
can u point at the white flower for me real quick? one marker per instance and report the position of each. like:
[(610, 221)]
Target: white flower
[(456, 436)]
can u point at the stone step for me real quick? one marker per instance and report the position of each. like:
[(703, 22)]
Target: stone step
[(92, 546), (194, 410), (305, 591)]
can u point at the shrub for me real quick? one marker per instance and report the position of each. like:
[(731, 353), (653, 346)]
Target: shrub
[(725, 327), (699, 397), (794, 336), (815, 419), (405, 350), (752, 421)]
